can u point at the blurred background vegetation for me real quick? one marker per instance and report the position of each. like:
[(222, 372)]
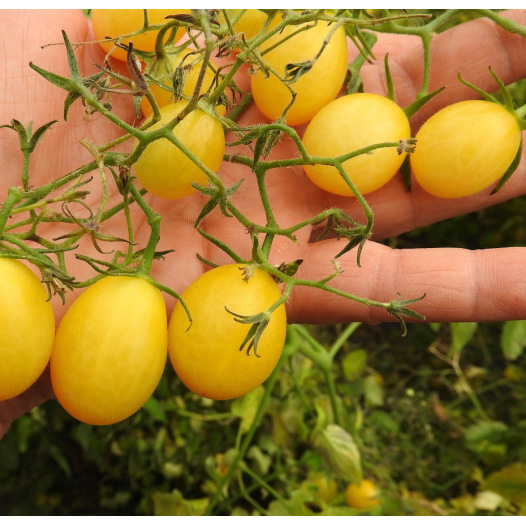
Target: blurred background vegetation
[(437, 420)]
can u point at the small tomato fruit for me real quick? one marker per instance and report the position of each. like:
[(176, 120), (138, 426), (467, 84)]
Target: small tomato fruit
[(206, 355), (117, 22), (327, 487), (314, 89), (164, 170), (110, 350), (27, 328), (163, 72), (350, 123), (362, 496), (464, 148), (250, 22)]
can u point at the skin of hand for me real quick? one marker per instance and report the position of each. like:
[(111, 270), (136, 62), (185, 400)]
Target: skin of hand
[(460, 285)]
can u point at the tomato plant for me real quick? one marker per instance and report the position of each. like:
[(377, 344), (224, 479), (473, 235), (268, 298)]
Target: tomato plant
[(350, 123), (464, 148), (110, 350), (117, 22), (27, 328), (164, 170), (207, 355), (362, 496), (315, 88), (191, 65)]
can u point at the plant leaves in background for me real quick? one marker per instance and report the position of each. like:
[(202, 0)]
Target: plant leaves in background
[(354, 363), (513, 338), (510, 483), (461, 334)]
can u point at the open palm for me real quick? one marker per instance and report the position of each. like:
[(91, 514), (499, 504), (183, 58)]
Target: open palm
[(454, 280)]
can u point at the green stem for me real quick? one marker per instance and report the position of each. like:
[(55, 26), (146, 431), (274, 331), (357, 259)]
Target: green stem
[(263, 484), (154, 220), (250, 434), (14, 196)]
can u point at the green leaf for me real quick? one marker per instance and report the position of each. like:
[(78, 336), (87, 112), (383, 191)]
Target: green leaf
[(341, 453), (263, 462), (461, 334), (303, 503), (384, 420), (510, 483), (487, 501), (354, 363), (418, 103), (246, 407), (513, 338), (37, 136), (155, 409), (170, 504), (479, 436), (510, 170), (373, 392)]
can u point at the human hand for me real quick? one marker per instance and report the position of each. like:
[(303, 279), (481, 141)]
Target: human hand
[(453, 279)]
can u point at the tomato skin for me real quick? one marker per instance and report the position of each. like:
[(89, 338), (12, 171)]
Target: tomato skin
[(166, 171), (251, 21), (349, 123), (314, 89), (464, 148), (362, 496), (163, 97), (27, 328), (206, 355), (110, 350), (117, 22)]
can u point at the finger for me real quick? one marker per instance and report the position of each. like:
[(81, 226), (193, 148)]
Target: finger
[(469, 48), (459, 284), (27, 96), (397, 211)]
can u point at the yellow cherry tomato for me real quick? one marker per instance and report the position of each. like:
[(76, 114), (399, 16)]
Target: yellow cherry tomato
[(164, 170), (27, 328), (327, 487), (110, 350), (118, 22), (362, 496), (464, 148), (164, 97), (251, 21), (206, 355), (350, 123), (314, 89)]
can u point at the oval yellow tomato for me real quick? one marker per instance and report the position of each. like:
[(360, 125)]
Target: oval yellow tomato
[(362, 496), (350, 123), (206, 356), (164, 97), (27, 328), (314, 89), (251, 21), (117, 22), (464, 148), (110, 350), (164, 170)]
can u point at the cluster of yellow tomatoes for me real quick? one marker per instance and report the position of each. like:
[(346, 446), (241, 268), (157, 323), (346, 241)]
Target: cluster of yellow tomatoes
[(104, 372), (448, 161)]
